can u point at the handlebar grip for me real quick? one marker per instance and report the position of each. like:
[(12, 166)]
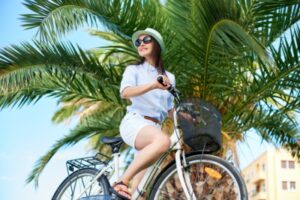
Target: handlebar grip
[(160, 80), (171, 89)]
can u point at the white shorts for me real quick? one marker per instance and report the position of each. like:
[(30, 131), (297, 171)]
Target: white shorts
[(130, 126)]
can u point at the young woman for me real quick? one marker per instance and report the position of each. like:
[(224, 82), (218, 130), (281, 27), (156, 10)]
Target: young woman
[(151, 103)]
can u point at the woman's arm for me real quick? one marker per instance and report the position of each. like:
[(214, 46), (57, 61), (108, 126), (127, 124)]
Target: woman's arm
[(133, 91)]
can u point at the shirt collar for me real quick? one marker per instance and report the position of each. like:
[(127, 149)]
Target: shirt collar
[(149, 66)]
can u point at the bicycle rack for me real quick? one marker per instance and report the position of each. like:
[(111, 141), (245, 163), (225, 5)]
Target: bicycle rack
[(97, 162)]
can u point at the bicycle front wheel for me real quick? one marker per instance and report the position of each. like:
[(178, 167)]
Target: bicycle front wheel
[(77, 182), (211, 178)]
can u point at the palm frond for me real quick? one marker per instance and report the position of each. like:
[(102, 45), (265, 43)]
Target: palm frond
[(119, 51), (217, 34), (279, 129), (28, 72), (75, 88), (273, 18), (95, 124), (55, 18), (37, 54)]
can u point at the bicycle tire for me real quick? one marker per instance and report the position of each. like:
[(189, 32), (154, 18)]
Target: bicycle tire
[(211, 178), (69, 190)]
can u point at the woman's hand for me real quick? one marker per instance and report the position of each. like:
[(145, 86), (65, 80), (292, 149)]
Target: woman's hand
[(165, 85)]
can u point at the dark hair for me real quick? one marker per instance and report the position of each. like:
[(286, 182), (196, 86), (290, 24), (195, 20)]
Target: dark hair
[(158, 59)]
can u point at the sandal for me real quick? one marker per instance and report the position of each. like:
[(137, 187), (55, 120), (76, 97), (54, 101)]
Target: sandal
[(120, 189)]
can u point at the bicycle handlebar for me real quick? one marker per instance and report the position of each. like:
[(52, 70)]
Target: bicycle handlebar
[(176, 93)]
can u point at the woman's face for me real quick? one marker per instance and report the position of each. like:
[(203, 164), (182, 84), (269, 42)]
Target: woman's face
[(145, 50)]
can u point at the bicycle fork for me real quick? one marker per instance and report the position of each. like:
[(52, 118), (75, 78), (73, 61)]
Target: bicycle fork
[(183, 176)]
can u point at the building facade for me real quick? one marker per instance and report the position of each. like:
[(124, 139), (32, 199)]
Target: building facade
[(274, 175)]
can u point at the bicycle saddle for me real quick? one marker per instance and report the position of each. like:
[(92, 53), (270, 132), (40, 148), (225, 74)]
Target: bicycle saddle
[(114, 142), (111, 140)]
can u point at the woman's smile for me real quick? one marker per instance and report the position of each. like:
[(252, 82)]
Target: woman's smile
[(143, 49)]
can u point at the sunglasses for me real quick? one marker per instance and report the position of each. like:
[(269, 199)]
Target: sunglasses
[(145, 40)]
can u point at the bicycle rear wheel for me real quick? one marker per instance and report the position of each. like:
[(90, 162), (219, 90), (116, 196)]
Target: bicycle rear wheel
[(212, 178), (78, 181)]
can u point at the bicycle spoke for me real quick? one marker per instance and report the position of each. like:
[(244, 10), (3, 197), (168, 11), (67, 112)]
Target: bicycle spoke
[(86, 194), (208, 179), (78, 183), (206, 185), (73, 190)]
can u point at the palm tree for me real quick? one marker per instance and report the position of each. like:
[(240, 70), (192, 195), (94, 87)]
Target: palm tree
[(240, 55)]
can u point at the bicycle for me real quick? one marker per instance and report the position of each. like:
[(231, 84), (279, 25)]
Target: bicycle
[(193, 175)]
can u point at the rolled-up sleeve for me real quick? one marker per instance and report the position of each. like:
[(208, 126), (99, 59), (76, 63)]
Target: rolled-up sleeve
[(128, 79)]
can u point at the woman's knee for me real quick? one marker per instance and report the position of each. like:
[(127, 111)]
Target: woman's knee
[(163, 141), (150, 135)]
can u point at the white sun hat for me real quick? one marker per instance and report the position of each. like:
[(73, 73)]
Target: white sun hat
[(153, 33)]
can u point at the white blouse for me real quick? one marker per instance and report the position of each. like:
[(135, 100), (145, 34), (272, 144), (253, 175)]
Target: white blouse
[(157, 102)]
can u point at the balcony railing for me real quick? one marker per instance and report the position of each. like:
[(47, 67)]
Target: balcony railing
[(258, 177)]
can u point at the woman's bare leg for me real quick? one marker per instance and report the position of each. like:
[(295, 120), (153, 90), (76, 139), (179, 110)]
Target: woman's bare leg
[(151, 143), (136, 180)]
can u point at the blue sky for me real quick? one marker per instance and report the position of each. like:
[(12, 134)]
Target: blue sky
[(27, 133)]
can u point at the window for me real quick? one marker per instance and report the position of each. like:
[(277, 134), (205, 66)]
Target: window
[(292, 164), (283, 164), (248, 178), (258, 188), (264, 187), (292, 185), (284, 185), (263, 167), (288, 164)]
